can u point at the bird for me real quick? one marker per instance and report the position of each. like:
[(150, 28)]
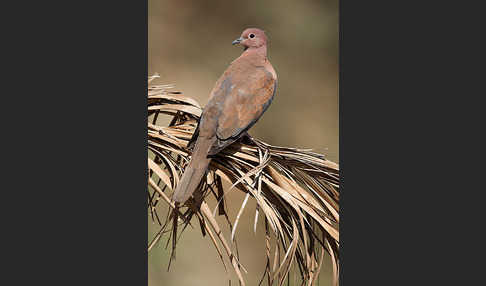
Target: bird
[(238, 99)]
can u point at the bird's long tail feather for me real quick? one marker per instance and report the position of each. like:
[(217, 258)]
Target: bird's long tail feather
[(195, 171)]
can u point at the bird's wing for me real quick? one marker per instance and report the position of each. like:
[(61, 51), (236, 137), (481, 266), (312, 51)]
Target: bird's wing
[(245, 103)]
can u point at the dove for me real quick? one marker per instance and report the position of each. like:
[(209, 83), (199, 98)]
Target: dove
[(239, 98)]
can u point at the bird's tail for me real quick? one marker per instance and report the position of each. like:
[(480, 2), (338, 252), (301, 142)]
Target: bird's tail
[(195, 171)]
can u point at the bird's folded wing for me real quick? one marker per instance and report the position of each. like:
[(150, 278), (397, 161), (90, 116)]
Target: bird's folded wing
[(248, 101)]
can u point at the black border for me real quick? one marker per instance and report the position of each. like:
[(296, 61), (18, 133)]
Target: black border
[(75, 143), (404, 112)]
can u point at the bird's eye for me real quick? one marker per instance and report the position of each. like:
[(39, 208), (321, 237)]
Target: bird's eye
[(252, 36)]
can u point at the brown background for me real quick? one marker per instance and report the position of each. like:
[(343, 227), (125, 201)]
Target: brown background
[(190, 46)]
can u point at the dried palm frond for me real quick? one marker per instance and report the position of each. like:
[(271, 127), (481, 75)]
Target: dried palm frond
[(296, 190)]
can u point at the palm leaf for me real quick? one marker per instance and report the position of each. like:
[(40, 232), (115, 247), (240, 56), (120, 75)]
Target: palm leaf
[(296, 190)]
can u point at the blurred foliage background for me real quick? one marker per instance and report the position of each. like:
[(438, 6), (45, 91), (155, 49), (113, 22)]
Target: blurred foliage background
[(190, 46)]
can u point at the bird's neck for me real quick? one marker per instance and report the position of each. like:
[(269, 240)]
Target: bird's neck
[(257, 54)]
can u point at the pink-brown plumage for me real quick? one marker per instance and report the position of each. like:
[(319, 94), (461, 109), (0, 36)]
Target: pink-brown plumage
[(239, 98)]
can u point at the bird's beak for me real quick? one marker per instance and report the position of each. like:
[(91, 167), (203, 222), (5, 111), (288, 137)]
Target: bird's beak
[(237, 41)]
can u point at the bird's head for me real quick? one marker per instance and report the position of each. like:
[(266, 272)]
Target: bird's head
[(251, 38)]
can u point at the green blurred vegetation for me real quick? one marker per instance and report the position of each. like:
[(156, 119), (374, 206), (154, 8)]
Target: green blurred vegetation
[(190, 46)]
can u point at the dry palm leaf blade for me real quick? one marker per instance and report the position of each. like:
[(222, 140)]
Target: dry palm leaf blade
[(296, 192)]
